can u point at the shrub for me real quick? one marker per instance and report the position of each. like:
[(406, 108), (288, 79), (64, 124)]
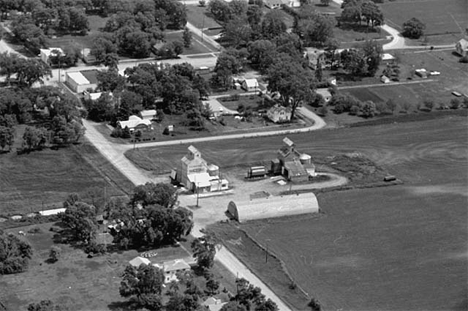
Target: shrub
[(322, 111), (429, 104), (455, 103), (35, 230), (354, 111), (54, 254)]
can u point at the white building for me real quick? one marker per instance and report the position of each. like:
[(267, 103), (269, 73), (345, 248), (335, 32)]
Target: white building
[(135, 123), (148, 114), (46, 53), (279, 114), (250, 85), (461, 47), (138, 261), (325, 93), (80, 81)]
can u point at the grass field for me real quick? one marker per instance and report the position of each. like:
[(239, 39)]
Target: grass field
[(200, 17), (96, 22), (393, 248), (441, 17), (197, 47), (43, 179)]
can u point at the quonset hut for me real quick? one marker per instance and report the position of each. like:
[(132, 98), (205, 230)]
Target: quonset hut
[(274, 206)]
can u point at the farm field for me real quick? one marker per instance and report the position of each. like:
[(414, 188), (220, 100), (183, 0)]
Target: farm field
[(400, 247), (446, 18), (43, 179)]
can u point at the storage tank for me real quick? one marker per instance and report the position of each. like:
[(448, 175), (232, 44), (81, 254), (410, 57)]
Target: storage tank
[(305, 158), (213, 170)]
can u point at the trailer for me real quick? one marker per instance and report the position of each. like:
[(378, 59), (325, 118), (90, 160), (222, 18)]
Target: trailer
[(256, 172)]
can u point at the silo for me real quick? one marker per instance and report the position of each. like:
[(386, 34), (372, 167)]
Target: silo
[(305, 159)]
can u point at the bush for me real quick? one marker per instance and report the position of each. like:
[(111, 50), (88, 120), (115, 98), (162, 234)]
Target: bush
[(429, 104), (322, 111), (54, 254), (455, 103), (354, 111), (35, 230)]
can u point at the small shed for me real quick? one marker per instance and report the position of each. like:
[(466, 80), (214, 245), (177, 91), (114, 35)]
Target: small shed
[(384, 79), (149, 114), (250, 85), (387, 57), (274, 206)]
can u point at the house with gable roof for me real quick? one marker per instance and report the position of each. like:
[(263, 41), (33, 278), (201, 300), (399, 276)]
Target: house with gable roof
[(279, 114)]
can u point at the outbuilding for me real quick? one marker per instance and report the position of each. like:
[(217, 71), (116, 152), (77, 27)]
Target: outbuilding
[(138, 261), (325, 93), (45, 54), (461, 47), (273, 206), (80, 81), (250, 85)]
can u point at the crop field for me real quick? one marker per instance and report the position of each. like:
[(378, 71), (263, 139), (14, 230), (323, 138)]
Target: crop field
[(401, 247), (43, 179), (440, 17)]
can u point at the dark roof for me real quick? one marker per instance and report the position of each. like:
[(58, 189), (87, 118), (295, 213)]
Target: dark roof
[(91, 75)]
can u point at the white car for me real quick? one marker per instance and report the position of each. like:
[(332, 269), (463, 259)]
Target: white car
[(435, 73)]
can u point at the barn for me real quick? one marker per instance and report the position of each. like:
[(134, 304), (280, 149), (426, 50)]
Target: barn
[(273, 206)]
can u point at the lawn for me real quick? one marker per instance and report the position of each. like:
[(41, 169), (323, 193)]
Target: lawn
[(96, 22), (43, 179), (201, 18), (391, 248), (78, 282), (441, 17), (197, 47)]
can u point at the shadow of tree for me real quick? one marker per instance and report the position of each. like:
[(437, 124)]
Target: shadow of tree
[(121, 306)]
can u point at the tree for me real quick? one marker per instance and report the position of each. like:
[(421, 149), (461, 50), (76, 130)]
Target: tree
[(273, 24), (143, 285), (220, 10), (237, 32), (80, 218), (315, 29), (102, 47), (34, 137), (110, 80), (314, 305), (187, 36), (238, 8), (371, 12), (227, 65), (294, 83), (102, 109), (262, 54), (254, 15), (413, 28), (233, 306), (325, 2), (14, 254), (44, 305), (391, 105), (352, 12), (454, 103), (54, 254), (161, 194), (78, 21), (7, 136), (372, 56), (368, 109), (204, 251), (30, 71), (8, 65)]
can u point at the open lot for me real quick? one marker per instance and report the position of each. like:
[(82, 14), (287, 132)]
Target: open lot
[(43, 179), (445, 20), (392, 248)]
